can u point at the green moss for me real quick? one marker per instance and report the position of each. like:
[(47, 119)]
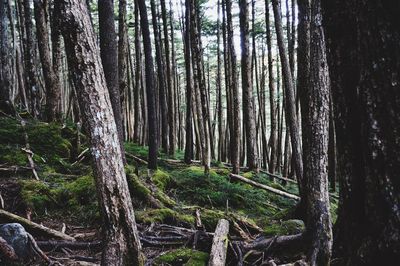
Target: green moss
[(277, 186), (165, 199), (161, 179), (210, 218), (248, 175), (288, 227), (183, 256), (82, 190), (165, 215), (36, 195), (13, 155)]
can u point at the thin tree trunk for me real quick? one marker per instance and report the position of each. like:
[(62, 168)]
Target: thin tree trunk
[(5, 63), (122, 245), (150, 88), (289, 96), (52, 91), (138, 74), (247, 87), (109, 59), (123, 57), (235, 126)]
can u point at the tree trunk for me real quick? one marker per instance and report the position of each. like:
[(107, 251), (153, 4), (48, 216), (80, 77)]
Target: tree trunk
[(138, 80), (290, 104), (364, 43), (31, 78), (5, 63), (319, 225), (161, 80), (247, 87), (235, 125), (122, 245), (189, 94), (42, 32), (150, 89), (171, 120), (123, 55), (109, 59)]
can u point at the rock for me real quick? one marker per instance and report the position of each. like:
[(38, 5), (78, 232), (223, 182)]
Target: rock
[(17, 238)]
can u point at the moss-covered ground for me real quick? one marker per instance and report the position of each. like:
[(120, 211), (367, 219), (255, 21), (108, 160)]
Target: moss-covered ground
[(66, 189)]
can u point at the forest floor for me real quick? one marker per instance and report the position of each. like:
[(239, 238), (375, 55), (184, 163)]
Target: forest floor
[(168, 202)]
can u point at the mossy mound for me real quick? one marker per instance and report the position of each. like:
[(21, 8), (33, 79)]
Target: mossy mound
[(288, 227), (45, 141), (184, 257), (216, 190), (166, 216), (161, 179)]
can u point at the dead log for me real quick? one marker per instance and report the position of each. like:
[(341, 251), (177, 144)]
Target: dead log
[(34, 228), (220, 244), (265, 187)]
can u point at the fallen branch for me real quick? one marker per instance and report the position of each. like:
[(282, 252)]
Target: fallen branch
[(137, 159), (279, 177), (28, 151), (265, 187), (73, 245), (34, 228), (220, 244)]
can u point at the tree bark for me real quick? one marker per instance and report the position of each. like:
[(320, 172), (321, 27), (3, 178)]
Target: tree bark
[(122, 245), (42, 32), (235, 125), (109, 59), (150, 90), (319, 228), (290, 104), (247, 87), (364, 43), (188, 68), (5, 63), (123, 56), (31, 78)]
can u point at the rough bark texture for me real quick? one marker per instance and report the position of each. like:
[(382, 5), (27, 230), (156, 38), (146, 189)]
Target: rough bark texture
[(5, 63), (235, 122), (122, 245), (319, 228), (150, 90), (247, 87), (109, 58), (42, 32), (364, 42), (31, 78), (220, 244), (123, 54)]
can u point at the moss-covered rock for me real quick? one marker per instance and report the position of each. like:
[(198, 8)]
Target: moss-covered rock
[(184, 257), (36, 195)]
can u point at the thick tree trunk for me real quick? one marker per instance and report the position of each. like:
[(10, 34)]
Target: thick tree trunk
[(319, 226), (52, 89), (150, 89), (5, 63), (364, 42), (122, 245), (235, 125), (57, 64), (247, 87), (109, 59)]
